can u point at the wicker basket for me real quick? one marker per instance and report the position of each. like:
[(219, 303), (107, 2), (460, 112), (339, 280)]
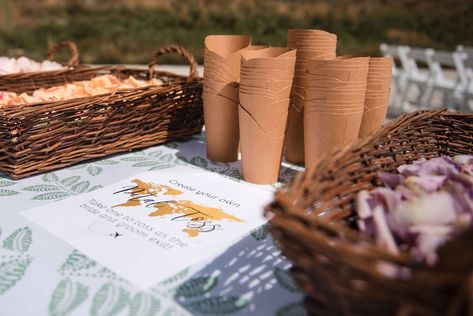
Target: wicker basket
[(30, 81), (38, 137), (337, 267)]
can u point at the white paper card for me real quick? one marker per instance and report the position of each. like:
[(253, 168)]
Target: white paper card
[(150, 226)]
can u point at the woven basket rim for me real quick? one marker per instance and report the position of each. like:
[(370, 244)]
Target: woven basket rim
[(122, 93)]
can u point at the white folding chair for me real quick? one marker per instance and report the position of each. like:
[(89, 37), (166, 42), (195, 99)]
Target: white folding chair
[(447, 79), (416, 81), (466, 58)]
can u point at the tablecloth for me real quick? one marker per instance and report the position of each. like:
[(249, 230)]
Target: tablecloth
[(42, 275)]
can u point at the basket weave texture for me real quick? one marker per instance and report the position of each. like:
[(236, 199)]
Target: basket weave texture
[(39, 137), (338, 268)]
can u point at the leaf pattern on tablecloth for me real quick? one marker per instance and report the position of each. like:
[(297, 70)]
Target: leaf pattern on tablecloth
[(75, 262), (176, 278), (222, 168), (144, 305), (293, 309), (260, 233), (12, 270), (217, 305), (109, 300), (154, 160), (285, 280), (20, 240), (94, 168), (171, 145), (5, 192), (67, 296), (196, 287), (7, 183), (55, 188), (105, 162)]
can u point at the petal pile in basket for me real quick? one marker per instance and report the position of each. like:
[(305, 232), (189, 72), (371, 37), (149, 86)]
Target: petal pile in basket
[(96, 86), (23, 64), (424, 205)]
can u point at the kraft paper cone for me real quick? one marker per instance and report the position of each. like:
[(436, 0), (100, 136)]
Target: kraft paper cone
[(325, 132), (333, 110), (341, 61), (264, 103), (278, 90), (295, 35), (334, 104), (261, 153), (333, 86), (260, 97), (220, 94), (376, 100), (279, 58), (225, 90), (265, 111), (372, 121), (221, 127), (342, 75), (222, 62), (374, 103), (252, 73), (227, 45), (309, 44), (305, 55), (319, 94)]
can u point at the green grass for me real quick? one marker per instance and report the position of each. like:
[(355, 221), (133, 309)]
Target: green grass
[(130, 31)]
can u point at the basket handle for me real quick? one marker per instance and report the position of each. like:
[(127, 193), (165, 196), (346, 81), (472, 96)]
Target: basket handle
[(74, 60), (193, 73)]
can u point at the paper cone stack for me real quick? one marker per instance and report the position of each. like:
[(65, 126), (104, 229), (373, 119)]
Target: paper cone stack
[(378, 91), (333, 108), (310, 44), (265, 87), (222, 58)]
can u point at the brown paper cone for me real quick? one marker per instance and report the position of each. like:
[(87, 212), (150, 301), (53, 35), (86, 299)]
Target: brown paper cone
[(310, 44), (227, 45), (377, 96), (294, 139), (270, 73), (324, 132), (372, 121), (278, 90), (212, 86), (261, 153), (266, 59), (220, 94), (332, 108), (272, 123), (264, 102), (320, 94), (221, 127)]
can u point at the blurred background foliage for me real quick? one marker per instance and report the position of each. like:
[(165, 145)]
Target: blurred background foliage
[(129, 31)]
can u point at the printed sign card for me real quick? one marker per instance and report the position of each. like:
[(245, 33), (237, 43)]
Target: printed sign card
[(150, 226)]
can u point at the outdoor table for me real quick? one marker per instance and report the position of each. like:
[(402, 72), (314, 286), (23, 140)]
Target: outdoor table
[(42, 275)]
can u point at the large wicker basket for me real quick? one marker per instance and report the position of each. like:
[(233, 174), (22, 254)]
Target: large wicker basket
[(29, 81), (38, 137), (337, 267)]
